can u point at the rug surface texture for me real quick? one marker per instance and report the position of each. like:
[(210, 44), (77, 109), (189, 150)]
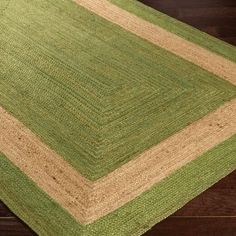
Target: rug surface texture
[(112, 115)]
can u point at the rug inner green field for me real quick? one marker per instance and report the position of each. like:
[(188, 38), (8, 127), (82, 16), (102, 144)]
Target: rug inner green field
[(95, 93), (46, 217)]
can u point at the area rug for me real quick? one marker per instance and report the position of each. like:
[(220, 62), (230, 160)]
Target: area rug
[(112, 116)]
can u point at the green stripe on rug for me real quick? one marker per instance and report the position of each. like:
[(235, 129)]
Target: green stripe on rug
[(47, 218), (95, 93)]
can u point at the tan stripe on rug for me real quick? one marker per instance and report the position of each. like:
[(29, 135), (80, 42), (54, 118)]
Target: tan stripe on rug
[(47, 169), (202, 57), (88, 201)]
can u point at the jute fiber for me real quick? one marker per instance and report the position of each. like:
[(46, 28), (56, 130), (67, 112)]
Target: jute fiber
[(112, 115)]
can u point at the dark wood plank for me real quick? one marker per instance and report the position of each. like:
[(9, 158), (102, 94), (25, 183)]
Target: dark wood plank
[(175, 226), (210, 12), (162, 4), (11, 226)]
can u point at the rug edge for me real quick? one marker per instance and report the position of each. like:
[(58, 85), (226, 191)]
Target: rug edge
[(103, 225)]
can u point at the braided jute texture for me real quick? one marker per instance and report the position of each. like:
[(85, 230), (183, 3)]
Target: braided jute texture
[(112, 115)]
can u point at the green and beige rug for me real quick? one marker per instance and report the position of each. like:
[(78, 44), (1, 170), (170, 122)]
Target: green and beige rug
[(112, 115)]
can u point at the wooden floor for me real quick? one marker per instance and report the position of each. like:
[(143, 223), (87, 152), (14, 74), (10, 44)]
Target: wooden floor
[(213, 213)]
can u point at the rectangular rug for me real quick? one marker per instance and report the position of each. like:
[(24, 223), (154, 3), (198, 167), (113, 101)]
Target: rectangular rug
[(112, 115)]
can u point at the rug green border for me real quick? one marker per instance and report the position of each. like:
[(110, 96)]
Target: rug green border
[(179, 28), (47, 218)]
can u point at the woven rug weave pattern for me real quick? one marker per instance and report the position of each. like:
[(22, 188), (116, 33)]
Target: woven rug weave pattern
[(112, 115)]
